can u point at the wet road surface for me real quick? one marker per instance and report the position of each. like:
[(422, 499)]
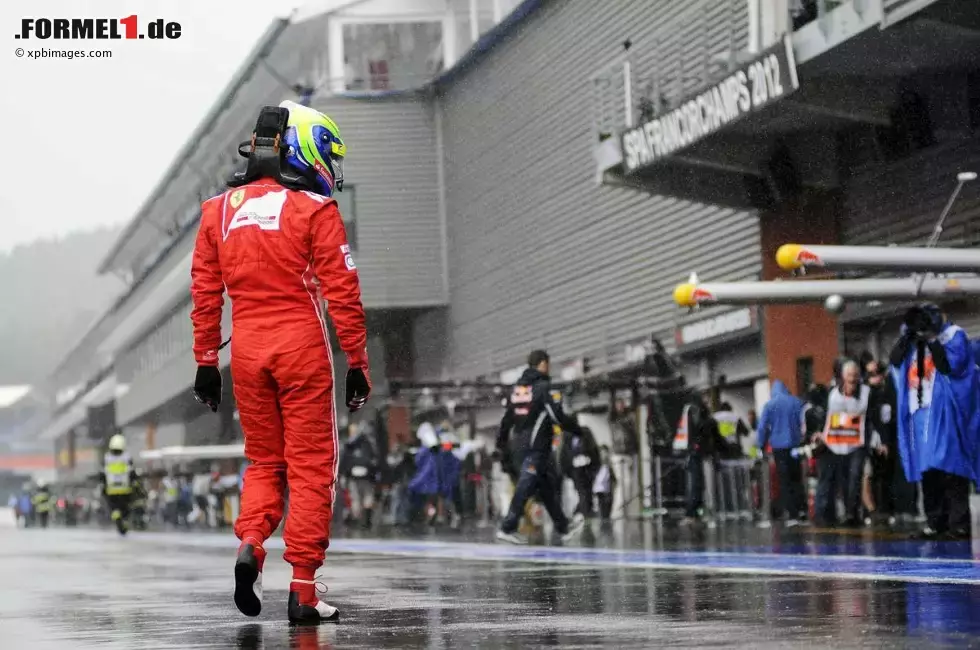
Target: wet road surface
[(87, 588)]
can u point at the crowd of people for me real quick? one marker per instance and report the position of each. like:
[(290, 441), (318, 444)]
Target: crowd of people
[(40, 504), (199, 495), (409, 484), (440, 480), (881, 436), (443, 480), (196, 496), (882, 432), (33, 505)]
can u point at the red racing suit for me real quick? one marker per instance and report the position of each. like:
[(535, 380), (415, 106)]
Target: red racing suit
[(279, 253)]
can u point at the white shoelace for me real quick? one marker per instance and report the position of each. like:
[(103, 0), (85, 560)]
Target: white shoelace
[(318, 586)]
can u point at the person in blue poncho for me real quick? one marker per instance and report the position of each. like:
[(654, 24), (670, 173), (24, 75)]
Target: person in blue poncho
[(449, 468), (424, 486), (938, 416)]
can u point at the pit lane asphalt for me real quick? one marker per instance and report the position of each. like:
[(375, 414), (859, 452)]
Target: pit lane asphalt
[(87, 588)]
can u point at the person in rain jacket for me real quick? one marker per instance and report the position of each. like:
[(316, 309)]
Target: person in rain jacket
[(579, 460), (359, 466), (42, 502), (697, 435), (781, 427), (533, 410), (424, 486), (450, 468), (938, 388), (25, 507), (845, 437), (604, 486)]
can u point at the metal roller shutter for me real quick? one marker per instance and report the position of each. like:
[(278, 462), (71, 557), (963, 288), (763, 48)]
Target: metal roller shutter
[(900, 203)]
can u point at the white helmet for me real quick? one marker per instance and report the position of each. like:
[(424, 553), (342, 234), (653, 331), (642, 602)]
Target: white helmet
[(427, 435), (117, 443)]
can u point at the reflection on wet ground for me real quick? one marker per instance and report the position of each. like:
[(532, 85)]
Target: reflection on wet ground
[(87, 588)]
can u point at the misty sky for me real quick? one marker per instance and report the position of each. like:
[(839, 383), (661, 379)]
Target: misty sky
[(87, 140)]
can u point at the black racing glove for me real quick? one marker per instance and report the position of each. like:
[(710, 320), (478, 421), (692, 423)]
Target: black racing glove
[(207, 386), (358, 388)]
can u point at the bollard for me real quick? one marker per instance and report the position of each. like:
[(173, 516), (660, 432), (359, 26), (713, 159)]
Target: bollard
[(721, 472), (731, 485), (730, 501), (721, 475), (658, 487), (391, 515), (710, 507), (484, 503), (765, 495), (745, 489)]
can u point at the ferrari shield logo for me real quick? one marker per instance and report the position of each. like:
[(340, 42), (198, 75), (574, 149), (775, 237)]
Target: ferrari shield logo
[(236, 198)]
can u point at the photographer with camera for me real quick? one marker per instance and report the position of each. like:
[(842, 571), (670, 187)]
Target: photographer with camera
[(938, 416)]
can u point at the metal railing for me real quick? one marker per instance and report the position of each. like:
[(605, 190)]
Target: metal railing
[(624, 96), (627, 93), (614, 109), (733, 490)]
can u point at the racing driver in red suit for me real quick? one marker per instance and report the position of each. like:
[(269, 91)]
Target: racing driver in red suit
[(276, 242)]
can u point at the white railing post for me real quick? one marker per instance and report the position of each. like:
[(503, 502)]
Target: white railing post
[(647, 482), (628, 92), (474, 21), (755, 26), (335, 44), (449, 38), (774, 21)]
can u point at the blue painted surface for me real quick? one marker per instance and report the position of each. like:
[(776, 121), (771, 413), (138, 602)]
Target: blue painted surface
[(898, 561), (840, 562), (905, 549), (936, 611)]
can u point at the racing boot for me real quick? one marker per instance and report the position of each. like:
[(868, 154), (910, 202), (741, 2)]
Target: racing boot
[(120, 522), (248, 577), (305, 606)]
